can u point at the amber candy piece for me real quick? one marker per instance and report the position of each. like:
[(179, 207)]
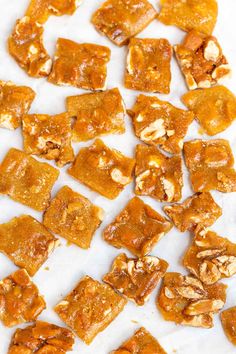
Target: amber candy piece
[(186, 300), (210, 164), (148, 65), (120, 20), (228, 320), (138, 228), (90, 308), (27, 180)]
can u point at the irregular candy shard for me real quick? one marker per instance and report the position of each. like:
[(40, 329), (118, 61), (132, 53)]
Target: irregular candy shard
[(228, 320)]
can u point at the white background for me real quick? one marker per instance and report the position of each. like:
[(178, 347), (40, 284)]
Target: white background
[(69, 263)]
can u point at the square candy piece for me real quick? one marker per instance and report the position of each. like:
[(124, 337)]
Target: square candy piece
[(142, 342), (158, 122), (73, 217), (136, 278), (210, 164), (27, 180), (41, 337), (15, 101), (228, 320), (201, 60), (197, 209), (190, 14), (214, 108), (19, 299), (138, 228), (90, 308), (48, 137), (80, 65), (148, 65), (102, 169), (32, 246), (120, 20), (98, 113), (157, 175)]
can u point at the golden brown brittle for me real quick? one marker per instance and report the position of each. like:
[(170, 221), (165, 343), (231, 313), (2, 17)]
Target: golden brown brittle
[(228, 319)]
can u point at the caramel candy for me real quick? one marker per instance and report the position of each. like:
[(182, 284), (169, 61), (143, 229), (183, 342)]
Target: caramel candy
[(228, 319), (136, 278), (138, 228), (120, 20), (19, 299), (157, 175), (80, 65), (48, 137), (187, 301), (148, 65), (190, 14), (27, 180), (42, 338), (15, 101), (197, 209), (214, 108), (73, 217), (210, 163), (158, 122), (102, 169), (90, 308), (142, 342), (201, 60), (26, 46), (32, 246)]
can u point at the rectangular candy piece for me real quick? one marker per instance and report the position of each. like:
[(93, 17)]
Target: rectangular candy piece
[(148, 65), (120, 20), (32, 246), (158, 122), (138, 228), (187, 301), (200, 208), (228, 320), (157, 175), (20, 299), (90, 308), (201, 60), (27, 180), (48, 137), (136, 278), (80, 65), (73, 217), (102, 169), (142, 342), (210, 164), (96, 114), (15, 101)]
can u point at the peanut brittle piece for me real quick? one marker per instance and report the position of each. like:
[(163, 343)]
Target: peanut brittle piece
[(32, 246), (19, 299), (98, 113), (148, 65), (102, 169), (48, 137), (158, 122), (15, 101), (142, 342), (80, 65), (120, 20), (186, 300), (157, 175), (138, 228), (73, 217), (42, 338), (210, 164), (197, 209), (26, 46), (201, 60), (190, 14), (90, 308), (136, 278), (27, 180), (228, 320)]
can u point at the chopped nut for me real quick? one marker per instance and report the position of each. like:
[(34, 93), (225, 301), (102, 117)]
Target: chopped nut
[(212, 51), (169, 189), (154, 131), (118, 177), (203, 306)]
